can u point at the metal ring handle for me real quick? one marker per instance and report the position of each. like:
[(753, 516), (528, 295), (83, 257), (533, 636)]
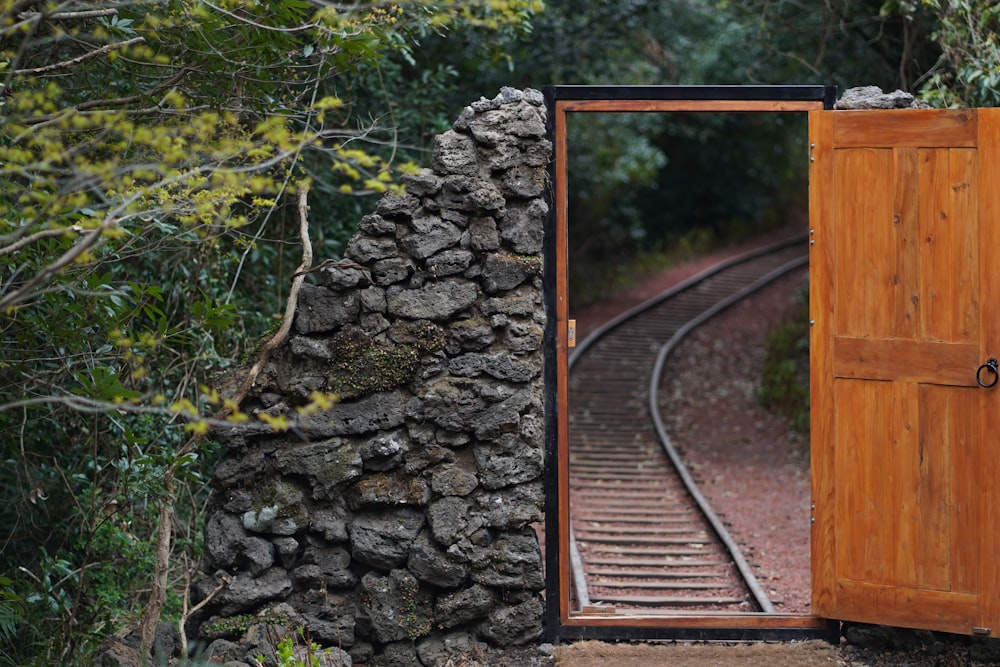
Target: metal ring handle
[(993, 366)]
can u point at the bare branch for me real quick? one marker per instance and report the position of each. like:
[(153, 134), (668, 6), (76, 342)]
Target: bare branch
[(293, 296), (188, 613), (71, 16), (284, 186), (793, 56), (37, 236), (255, 24), (158, 595), (107, 48), (88, 241), (87, 405)]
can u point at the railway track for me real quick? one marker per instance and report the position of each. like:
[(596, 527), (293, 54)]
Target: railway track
[(642, 535)]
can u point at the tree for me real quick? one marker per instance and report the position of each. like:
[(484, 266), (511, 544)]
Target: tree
[(155, 160), (643, 185), (841, 42), (639, 185), (968, 71), (945, 50)]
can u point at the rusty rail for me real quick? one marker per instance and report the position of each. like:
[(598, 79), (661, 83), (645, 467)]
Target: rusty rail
[(642, 533)]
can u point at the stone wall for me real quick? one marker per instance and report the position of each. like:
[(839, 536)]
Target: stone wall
[(396, 524)]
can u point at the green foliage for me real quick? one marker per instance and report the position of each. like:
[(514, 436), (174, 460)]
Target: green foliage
[(151, 155), (785, 381), (968, 73), (11, 616), (289, 654), (846, 43), (947, 50), (640, 183)]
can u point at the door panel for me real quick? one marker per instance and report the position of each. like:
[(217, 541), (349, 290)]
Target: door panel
[(937, 127), (912, 360), (901, 457)]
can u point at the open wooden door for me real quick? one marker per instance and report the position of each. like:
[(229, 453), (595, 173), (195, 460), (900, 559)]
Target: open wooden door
[(905, 307)]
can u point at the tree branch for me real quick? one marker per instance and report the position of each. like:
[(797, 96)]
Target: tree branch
[(293, 297), (107, 48), (37, 236), (158, 594), (261, 26), (88, 241), (82, 14), (188, 613), (83, 107)]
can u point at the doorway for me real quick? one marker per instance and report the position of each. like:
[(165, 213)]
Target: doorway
[(562, 619)]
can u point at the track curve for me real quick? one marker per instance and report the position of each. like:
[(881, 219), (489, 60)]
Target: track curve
[(641, 533)]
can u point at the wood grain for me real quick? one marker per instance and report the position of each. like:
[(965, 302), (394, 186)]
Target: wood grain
[(921, 128), (821, 313), (984, 505), (562, 358), (899, 442)]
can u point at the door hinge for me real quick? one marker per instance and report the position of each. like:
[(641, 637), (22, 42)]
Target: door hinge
[(980, 631), (599, 610), (571, 333)]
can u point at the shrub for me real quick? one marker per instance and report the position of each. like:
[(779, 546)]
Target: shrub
[(785, 382)]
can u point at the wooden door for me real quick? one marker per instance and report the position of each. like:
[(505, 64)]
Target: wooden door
[(905, 307)]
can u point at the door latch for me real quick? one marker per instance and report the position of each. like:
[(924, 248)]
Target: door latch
[(571, 334), (990, 367)]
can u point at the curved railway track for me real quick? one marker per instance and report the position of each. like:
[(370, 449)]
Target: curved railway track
[(642, 535)]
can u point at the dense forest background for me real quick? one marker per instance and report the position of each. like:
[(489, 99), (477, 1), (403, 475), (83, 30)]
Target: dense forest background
[(168, 169)]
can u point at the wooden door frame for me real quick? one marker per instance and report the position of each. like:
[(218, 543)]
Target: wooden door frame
[(559, 622)]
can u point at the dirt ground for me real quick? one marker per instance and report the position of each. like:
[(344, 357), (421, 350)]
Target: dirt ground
[(869, 647), (877, 647), (598, 654)]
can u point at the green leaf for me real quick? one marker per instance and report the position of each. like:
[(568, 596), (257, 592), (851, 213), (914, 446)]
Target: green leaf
[(103, 384)]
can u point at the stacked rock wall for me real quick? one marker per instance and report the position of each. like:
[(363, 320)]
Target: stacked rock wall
[(396, 524)]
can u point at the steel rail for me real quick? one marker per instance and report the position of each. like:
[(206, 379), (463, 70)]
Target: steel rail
[(763, 601), (579, 576), (671, 292)]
